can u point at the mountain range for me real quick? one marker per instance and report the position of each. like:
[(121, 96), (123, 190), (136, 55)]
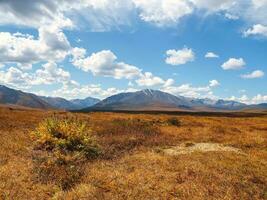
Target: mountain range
[(20, 98), (141, 100), (157, 100)]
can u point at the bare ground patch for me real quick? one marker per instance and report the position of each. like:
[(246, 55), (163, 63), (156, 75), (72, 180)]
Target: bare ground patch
[(188, 148)]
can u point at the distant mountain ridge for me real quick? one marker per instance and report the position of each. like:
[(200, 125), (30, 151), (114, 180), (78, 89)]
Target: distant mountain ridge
[(141, 100), (19, 98), (155, 99), (75, 104)]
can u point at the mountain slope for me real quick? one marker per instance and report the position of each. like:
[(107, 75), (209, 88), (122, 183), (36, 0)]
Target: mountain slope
[(59, 103), (145, 99), (75, 104), (84, 103), (154, 99), (17, 97)]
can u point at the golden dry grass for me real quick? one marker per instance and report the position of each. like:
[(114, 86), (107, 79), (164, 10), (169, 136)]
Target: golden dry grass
[(132, 165)]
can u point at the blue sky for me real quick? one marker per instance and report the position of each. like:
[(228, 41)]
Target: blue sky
[(194, 48)]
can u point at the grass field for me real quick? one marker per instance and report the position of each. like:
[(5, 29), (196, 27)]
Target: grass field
[(141, 156)]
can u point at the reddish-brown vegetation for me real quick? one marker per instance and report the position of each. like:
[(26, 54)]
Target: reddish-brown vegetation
[(131, 164)]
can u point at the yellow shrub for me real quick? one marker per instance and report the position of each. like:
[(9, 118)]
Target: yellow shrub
[(66, 135)]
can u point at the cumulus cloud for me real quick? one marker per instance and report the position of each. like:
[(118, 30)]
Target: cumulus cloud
[(253, 75), (211, 55), (148, 80), (214, 83), (256, 30), (259, 98), (51, 45), (15, 77), (169, 82), (83, 91), (163, 12), (188, 90), (104, 63), (179, 57), (49, 74), (234, 64)]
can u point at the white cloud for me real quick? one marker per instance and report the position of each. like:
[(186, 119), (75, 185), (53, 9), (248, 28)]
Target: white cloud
[(211, 55), (257, 29), (33, 13), (169, 82), (83, 91), (259, 3), (148, 80), (231, 16), (188, 90), (24, 50), (214, 83), (163, 12), (212, 6), (96, 15), (233, 64), (259, 99), (104, 63), (49, 74), (253, 75), (14, 77), (180, 57), (105, 15), (247, 100), (243, 99), (78, 53)]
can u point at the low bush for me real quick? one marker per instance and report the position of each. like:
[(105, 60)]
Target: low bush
[(173, 121), (61, 148), (66, 135)]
